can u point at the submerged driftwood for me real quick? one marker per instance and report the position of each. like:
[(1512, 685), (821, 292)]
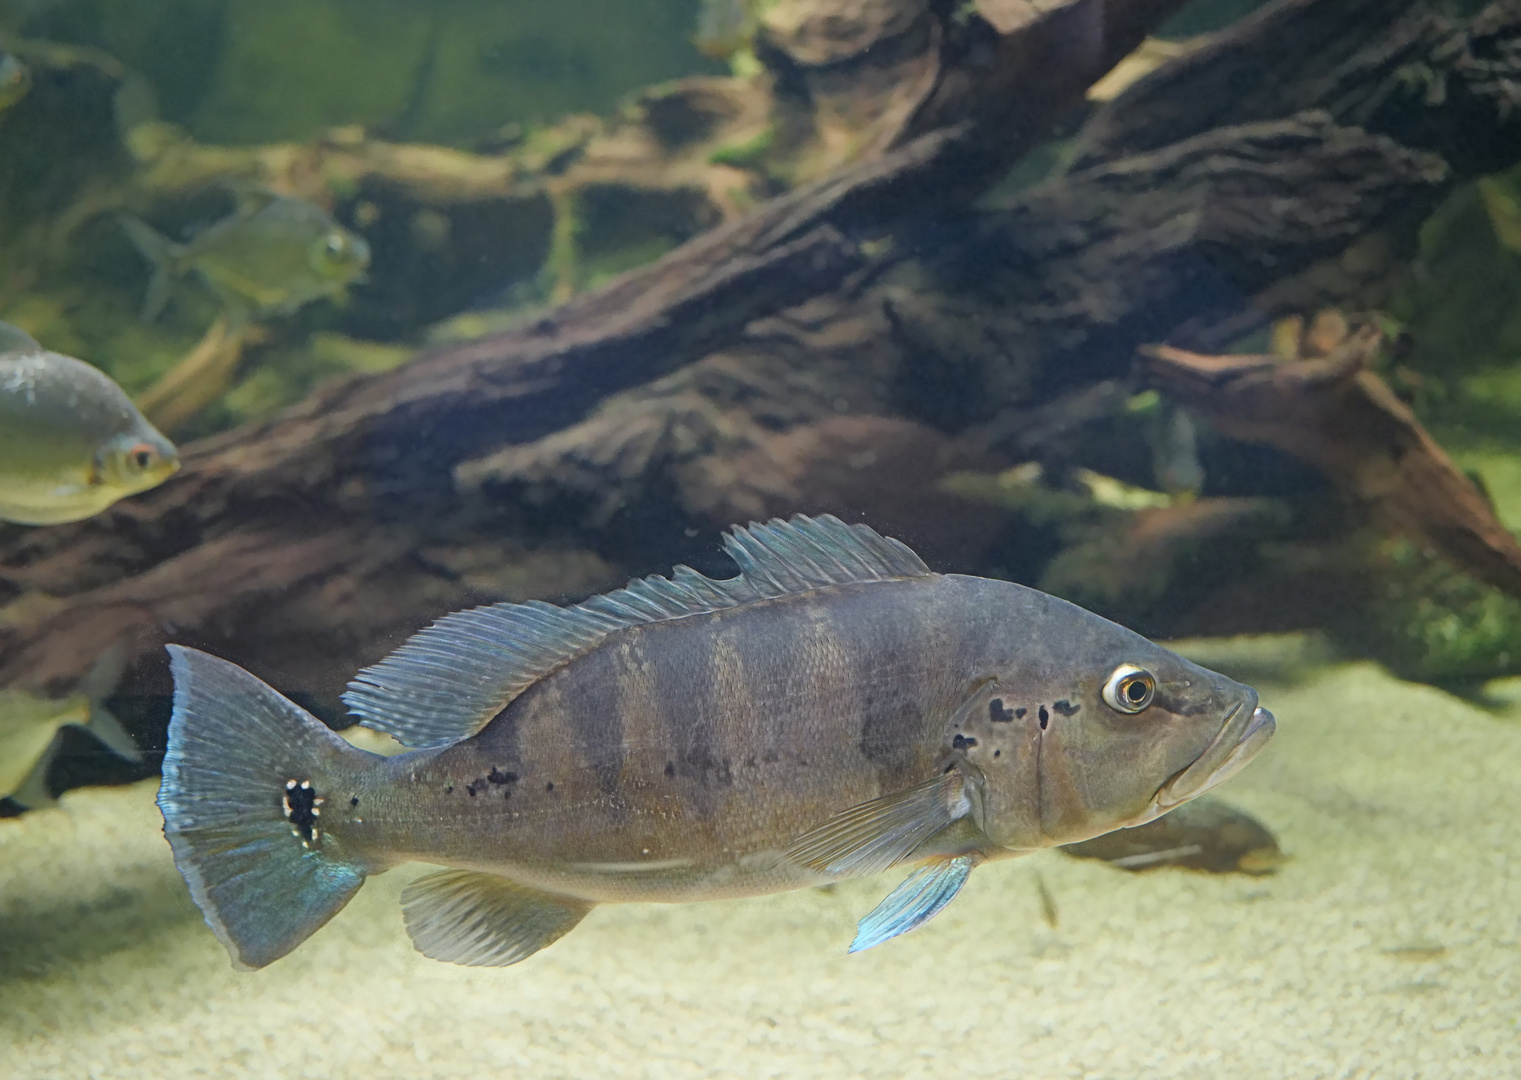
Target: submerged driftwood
[(806, 354), (1342, 418)]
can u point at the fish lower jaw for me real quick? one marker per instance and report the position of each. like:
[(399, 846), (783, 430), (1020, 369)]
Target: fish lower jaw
[(1190, 783)]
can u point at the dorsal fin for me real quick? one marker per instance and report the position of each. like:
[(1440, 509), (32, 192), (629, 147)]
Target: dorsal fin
[(250, 196), (449, 680)]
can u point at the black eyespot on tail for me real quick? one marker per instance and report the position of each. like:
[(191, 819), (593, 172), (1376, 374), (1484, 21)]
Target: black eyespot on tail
[(302, 807), (240, 761)]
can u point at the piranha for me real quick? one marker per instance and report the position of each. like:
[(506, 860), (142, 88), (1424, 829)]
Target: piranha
[(71, 441), (273, 255), (835, 710)]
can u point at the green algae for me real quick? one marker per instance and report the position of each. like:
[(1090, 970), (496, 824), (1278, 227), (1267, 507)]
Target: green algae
[(746, 153), (1431, 622)]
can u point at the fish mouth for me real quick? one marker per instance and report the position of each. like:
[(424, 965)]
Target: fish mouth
[(1244, 732)]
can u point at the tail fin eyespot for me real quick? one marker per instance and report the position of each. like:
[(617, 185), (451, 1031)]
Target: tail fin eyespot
[(242, 771), (303, 806)]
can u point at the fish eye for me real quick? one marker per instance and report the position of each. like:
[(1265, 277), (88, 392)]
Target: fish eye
[(336, 245), (142, 455), (1130, 689)]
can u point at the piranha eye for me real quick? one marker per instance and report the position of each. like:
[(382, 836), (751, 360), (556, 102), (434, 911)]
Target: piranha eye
[(142, 455), (1130, 689)]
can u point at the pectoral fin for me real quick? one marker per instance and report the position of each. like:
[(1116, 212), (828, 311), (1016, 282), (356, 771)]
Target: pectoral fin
[(481, 920), (871, 837), (916, 901)]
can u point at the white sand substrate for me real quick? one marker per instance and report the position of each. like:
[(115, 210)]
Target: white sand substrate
[(1388, 946)]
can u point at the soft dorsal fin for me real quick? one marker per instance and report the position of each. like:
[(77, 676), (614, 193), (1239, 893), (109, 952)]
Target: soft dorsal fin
[(449, 680)]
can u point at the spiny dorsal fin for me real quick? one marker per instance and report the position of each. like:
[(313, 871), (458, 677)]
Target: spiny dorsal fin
[(449, 680)]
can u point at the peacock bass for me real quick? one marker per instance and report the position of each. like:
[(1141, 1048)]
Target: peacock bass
[(835, 710)]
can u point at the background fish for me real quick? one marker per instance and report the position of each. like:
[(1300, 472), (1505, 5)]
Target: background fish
[(15, 80), (274, 254), (30, 729), (1206, 834), (835, 710), (724, 27), (71, 441)]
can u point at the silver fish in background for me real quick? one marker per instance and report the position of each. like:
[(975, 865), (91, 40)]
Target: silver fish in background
[(71, 441), (835, 710), (273, 255)]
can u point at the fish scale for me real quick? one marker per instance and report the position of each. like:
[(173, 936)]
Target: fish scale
[(835, 710)]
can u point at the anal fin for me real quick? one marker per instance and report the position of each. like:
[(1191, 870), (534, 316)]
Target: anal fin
[(869, 838), (913, 903), (481, 920)]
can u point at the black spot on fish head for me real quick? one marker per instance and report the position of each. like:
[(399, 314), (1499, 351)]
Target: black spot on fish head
[(1019, 714), (1132, 730), (999, 713)]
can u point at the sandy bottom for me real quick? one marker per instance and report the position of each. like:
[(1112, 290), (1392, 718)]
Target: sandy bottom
[(1389, 946)]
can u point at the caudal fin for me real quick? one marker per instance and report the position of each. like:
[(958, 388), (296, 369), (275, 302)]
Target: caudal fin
[(245, 778), (162, 253)]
